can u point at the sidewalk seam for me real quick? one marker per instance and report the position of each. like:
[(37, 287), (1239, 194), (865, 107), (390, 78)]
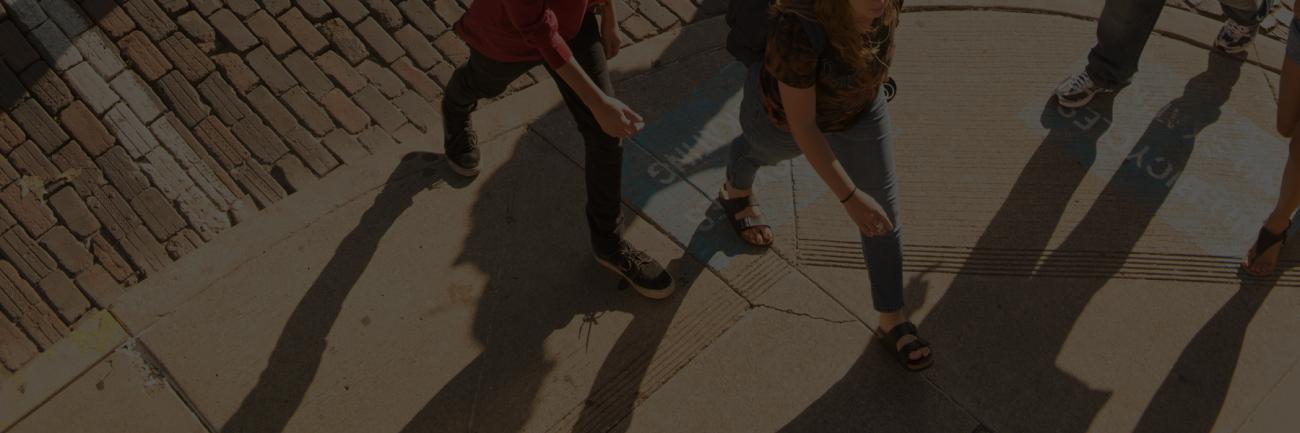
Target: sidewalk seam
[(139, 347), (1250, 416)]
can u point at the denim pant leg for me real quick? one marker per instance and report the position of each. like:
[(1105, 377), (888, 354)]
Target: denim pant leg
[(866, 151), (761, 143), (1122, 34), (604, 153), (1247, 12)]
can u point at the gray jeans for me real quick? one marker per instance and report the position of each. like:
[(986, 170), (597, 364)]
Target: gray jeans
[(866, 151), (1126, 25)]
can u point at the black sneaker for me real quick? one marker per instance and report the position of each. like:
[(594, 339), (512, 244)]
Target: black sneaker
[(1078, 91), (1235, 38), (641, 271), (461, 145)]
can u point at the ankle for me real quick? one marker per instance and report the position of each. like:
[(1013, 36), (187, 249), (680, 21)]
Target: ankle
[(1277, 223), (889, 320), (733, 192)]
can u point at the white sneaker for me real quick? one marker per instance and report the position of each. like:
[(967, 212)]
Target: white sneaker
[(1078, 91)]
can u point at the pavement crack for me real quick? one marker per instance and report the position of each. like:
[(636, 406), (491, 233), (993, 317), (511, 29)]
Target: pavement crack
[(800, 314)]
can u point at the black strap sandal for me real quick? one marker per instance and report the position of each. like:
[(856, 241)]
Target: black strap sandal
[(1264, 242), (733, 207), (903, 355)]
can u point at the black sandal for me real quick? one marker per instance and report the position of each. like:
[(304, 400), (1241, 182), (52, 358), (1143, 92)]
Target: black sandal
[(891, 338), (1266, 241), (733, 207)]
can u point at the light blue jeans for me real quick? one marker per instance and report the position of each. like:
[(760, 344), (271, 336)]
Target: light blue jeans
[(865, 150)]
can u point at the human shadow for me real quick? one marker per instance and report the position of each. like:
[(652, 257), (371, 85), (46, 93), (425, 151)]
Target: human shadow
[(841, 407), (297, 355), (496, 392), (616, 391), (499, 389), (1026, 220), (1192, 396), (1001, 335), (522, 306)]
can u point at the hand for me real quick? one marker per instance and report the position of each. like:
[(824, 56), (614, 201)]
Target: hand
[(871, 219), (616, 119), (610, 38)]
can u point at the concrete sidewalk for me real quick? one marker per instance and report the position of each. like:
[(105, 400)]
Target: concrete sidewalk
[(1076, 269)]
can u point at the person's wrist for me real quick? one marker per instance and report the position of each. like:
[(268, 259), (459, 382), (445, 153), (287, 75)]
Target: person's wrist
[(845, 199)]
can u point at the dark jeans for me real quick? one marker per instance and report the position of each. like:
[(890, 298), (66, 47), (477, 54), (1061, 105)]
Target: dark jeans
[(1126, 25), (483, 77)]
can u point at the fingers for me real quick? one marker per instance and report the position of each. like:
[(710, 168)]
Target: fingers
[(635, 118), (632, 122), (878, 225)]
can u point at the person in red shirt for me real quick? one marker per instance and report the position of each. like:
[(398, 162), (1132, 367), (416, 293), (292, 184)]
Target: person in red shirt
[(509, 37)]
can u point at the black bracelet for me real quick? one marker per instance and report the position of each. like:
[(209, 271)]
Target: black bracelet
[(850, 197)]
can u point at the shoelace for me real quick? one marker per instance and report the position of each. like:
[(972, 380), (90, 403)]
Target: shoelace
[(1237, 31), (634, 257), (464, 130), (1079, 82)]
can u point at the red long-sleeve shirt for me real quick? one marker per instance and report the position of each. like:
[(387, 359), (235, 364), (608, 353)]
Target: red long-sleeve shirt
[(523, 30)]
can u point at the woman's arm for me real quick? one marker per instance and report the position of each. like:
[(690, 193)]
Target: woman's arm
[(801, 114), (1288, 104)]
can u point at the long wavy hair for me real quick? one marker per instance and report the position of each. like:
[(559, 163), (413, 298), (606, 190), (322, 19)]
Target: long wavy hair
[(836, 17)]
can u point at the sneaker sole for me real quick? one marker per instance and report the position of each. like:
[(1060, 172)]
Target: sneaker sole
[(1075, 104), (463, 171), (657, 295)]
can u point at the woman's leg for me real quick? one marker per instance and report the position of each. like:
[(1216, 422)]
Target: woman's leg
[(1288, 125), (761, 144), (866, 152), (1288, 104)]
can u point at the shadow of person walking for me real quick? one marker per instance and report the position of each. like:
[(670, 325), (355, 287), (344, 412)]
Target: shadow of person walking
[(1002, 335), (617, 388), (294, 362), (515, 221), (1192, 396)]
